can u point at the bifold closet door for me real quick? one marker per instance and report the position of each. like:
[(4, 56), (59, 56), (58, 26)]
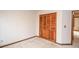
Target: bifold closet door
[(53, 27), (48, 26), (44, 32)]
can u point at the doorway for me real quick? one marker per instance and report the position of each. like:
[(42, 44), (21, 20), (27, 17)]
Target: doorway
[(48, 26), (75, 27)]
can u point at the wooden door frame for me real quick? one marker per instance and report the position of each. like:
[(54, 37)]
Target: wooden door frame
[(72, 29), (55, 24), (72, 37)]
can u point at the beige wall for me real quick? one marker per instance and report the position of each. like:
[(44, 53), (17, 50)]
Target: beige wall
[(66, 21), (16, 25)]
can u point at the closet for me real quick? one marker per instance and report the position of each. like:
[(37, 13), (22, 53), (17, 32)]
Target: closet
[(48, 26)]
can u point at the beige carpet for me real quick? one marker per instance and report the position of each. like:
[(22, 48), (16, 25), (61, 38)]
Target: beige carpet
[(40, 43)]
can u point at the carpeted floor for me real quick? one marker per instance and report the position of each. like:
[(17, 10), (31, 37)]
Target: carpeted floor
[(42, 43)]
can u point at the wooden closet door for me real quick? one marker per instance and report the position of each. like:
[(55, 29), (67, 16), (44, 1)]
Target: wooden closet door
[(48, 26), (53, 27), (44, 24)]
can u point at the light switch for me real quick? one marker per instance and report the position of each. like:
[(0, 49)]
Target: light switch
[(64, 26)]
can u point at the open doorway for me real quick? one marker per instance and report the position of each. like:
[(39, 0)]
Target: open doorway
[(75, 27)]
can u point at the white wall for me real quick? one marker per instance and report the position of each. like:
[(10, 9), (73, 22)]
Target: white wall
[(63, 35), (66, 21), (16, 25)]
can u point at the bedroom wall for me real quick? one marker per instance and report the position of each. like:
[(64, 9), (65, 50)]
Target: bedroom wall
[(16, 25), (19, 25), (66, 26)]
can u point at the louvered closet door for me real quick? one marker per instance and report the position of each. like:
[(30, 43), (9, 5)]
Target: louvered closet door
[(48, 26), (53, 27), (44, 24)]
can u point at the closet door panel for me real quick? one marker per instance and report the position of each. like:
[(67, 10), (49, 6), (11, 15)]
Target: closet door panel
[(53, 26), (52, 36), (43, 26), (48, 26)]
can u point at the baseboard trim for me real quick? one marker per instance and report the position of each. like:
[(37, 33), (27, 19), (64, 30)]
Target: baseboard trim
[(62, 44), (17, 41)]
